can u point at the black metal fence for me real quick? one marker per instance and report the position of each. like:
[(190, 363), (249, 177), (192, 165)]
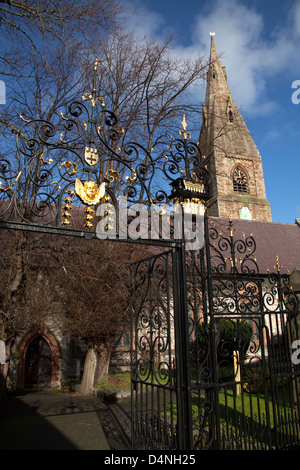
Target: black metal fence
[(214, 342), (214, 357)]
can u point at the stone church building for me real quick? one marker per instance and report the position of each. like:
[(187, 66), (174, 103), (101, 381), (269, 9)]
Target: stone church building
[(238, 193), (238, 186)]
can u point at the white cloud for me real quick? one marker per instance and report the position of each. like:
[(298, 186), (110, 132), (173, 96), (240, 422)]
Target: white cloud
[(295, 18), (252, 58), (145, 23)]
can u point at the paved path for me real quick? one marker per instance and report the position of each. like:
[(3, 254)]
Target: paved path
[(63, 421)]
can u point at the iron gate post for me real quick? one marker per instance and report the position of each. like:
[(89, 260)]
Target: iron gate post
[(215, 423), (183, 383)]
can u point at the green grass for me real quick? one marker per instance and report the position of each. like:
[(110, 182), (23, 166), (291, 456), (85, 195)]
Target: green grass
[(113, 382), (247, 412), (122, 381), (253, 419)]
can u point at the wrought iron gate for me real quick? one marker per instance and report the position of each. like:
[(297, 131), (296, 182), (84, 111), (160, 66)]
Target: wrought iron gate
[(212, 338), (245, 382), (213, 364), (158, 353), (153, 360)]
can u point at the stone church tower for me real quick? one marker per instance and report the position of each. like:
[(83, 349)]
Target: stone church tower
[(238, 187)]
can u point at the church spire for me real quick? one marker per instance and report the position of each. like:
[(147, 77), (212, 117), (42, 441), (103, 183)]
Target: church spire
[(217, 76), (238, 187)]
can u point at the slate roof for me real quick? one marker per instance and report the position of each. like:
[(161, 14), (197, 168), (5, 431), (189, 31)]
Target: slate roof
[(271, 239)]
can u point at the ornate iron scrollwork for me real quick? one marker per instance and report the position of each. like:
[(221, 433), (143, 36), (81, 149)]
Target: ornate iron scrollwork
[(81, 150), (232, 256)]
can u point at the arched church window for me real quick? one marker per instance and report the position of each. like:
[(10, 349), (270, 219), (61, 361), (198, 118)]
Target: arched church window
[(240, 180), (230, 116)]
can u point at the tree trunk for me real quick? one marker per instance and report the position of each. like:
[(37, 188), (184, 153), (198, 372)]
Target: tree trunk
[(88, 372), (103, 355), (95, 367), (4, 371)]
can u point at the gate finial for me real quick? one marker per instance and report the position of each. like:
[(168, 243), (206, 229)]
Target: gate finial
[(278, 265), (183, 132)]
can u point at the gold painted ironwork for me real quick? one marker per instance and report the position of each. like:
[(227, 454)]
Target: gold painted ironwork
[(23, 119), (193, 186), (91, 97), (233, 261), (183, 131), (278, 265), (88, 225), (66, 222), (46, 162), (11, 185), (67, 208), (133, 178), (191, 201), (89, 218), (69, 165), (93, 100), (231, 230), (111, 176), (91, 155), (89, 192)]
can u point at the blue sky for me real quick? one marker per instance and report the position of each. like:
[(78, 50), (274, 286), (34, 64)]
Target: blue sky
[(259, 41)]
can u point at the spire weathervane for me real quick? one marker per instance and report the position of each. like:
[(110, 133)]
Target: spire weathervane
[(212, 33)]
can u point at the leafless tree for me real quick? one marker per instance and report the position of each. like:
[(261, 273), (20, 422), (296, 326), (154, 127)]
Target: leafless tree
[(147, 86), (92, 278), (32, 27), (148, 89), (26, 296)]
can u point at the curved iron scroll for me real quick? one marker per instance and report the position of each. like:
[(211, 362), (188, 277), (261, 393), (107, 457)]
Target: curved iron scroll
[(229, 255), (62, 171)]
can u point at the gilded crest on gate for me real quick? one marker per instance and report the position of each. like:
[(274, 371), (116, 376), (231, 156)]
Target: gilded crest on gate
[(89, 192), (91, 155)]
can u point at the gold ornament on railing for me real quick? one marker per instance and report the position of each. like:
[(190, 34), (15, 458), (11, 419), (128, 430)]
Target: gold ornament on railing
[(88, 218), (183, 131), (67, 208), (89, 192)]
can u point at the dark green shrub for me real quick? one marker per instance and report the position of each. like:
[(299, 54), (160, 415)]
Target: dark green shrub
[(234, 335)]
